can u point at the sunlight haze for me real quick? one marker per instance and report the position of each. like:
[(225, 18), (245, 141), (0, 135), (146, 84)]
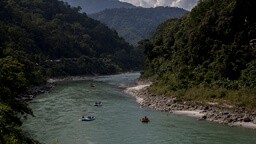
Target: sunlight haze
[(186, 4)]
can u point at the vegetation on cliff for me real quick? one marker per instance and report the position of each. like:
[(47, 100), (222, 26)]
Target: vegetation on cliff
[(59, 38), (206, 55)]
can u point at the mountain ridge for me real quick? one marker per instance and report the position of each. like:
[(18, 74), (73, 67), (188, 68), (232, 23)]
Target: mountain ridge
[(137, 23), (94, 6)]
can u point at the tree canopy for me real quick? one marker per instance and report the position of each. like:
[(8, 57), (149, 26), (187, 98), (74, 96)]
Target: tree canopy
[(207, 47), (52, 31)]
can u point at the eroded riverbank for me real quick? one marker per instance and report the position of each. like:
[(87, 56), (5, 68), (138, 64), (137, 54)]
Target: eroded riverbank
[(31, 92), (227, 116)]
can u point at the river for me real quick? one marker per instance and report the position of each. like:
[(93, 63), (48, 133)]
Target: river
[(58, 118)]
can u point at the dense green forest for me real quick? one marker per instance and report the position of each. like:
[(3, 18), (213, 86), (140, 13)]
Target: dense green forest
[(62, 39), (95, 6), (205, 55), (48, 38), (137, 23)]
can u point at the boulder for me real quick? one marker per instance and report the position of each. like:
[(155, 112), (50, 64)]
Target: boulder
[(247, 119)]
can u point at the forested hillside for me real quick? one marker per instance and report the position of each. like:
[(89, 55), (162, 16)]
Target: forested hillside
[(62, 39), (206, 55), (42, 39), (137, 23), (95, 6)]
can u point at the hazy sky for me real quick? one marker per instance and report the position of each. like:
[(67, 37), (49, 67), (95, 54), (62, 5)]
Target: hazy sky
[(186, 4)]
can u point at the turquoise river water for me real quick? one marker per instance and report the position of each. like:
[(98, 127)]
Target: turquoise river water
[(58, 118)]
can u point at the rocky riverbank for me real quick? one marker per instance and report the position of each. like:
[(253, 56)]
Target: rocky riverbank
[(32, 92), (224, 115)]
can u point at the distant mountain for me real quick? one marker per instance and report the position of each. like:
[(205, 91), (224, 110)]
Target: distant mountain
[(94, 6), (137, 23)]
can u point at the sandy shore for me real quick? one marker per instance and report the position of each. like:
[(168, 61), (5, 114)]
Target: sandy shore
[(231, 117), (196, 114)]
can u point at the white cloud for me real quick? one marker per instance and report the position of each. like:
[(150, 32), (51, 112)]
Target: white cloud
[(186, 4)]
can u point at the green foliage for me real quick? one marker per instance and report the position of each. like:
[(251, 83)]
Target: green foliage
[(208, 47), (11, 132), (12, 82), (52, 30), (248, 75), (32, 72), (243, 97)]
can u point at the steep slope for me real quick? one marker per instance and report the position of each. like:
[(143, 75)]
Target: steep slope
[(94, 6), (137, 23), (79, 44), (207, 48)]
